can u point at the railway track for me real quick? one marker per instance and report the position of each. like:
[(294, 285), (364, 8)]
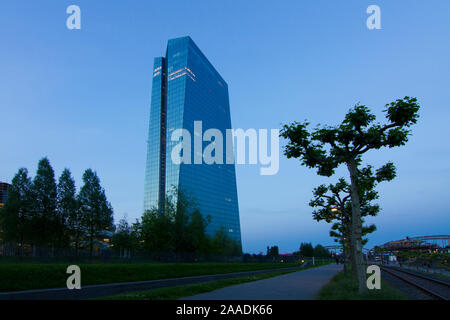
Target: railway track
[(437, 289)]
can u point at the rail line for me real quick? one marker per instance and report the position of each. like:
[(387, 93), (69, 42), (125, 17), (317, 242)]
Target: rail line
[(433, 287)]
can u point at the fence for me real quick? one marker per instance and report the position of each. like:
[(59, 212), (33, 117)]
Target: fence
[(14, 253)]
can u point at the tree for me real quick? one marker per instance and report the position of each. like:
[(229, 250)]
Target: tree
[(272, 251), (306, 250), (223, 244), (66, 207), (75, 226), (136, 235), (15, 218), (332, 203), (196, 230), (44, 204), (96, 212), (321, 252), (127, 238), (180, 227), (325, 148), (181, 205), (157, 230), (121, 239)]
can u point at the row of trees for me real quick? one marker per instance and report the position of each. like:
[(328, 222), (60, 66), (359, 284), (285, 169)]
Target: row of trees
[(42, 213), (178, 228), (307, 250), (272, 251), (325, 148)]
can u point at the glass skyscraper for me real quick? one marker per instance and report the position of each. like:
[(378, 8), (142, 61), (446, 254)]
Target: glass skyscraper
[(187, 88)]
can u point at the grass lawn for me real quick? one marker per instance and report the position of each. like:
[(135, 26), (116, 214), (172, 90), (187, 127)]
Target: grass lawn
[(344, 287), (16, 277), (177, 292)]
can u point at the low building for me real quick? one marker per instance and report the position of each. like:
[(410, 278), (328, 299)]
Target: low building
[(3, 193)]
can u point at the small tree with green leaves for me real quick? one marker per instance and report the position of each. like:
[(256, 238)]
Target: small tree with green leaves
[(122, 238), (136, 235), (196, 230), (45, 222), (273, 251), (96, 212), (321, 252), (75, 227), (325, 148), (157, 228), (66, 206), (222, 243), (306, 250), (182, 205), (180, 227)]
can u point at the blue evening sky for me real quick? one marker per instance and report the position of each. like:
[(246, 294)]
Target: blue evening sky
[(82, 97)]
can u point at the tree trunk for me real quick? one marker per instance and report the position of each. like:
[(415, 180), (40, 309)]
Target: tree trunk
[(21, 244), (348, 257), (348, 231), (344, 254), (91, 238), (356, 230), (77, 243), (351, 246), (91, 245)]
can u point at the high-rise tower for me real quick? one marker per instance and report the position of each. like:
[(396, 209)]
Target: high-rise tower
[(186, 88)]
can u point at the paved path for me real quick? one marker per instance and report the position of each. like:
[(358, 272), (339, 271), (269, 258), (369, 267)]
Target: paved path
[(95, 291), (302, 285)]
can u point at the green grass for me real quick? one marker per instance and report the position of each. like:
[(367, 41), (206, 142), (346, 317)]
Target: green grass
[(344, 287), (177, 292), (16, 277)]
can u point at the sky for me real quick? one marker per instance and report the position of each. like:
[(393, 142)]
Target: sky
[(82, 97)]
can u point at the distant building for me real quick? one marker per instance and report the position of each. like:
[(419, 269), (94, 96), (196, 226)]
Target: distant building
[(430, 243), (3, 193), (187, 88)]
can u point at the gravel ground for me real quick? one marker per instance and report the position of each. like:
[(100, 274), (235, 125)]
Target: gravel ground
[(431, 275), (411, 292), (439, 274)]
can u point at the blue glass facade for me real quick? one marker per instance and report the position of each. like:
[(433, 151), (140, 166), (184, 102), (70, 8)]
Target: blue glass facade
[(187, 88)]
